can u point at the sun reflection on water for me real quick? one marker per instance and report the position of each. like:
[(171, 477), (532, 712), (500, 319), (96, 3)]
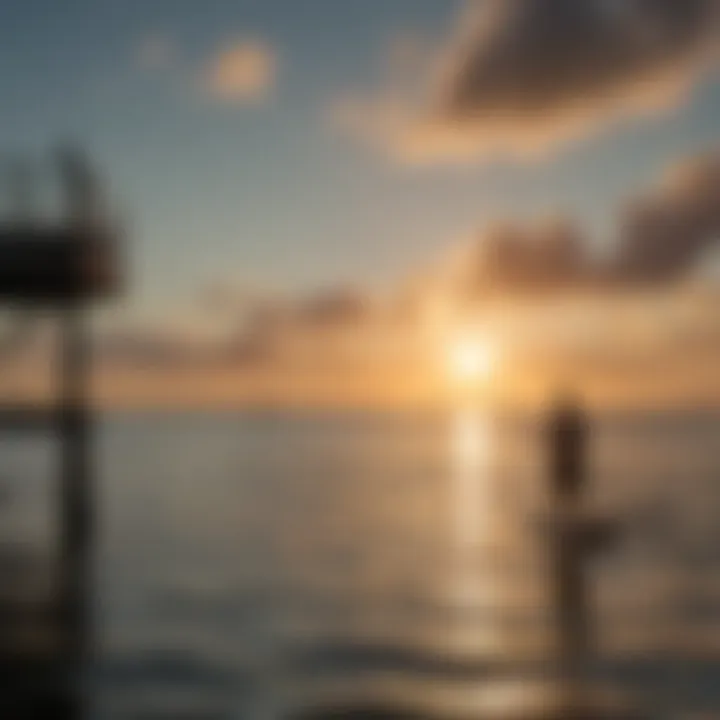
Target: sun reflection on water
[(474, 524), (472, 482)]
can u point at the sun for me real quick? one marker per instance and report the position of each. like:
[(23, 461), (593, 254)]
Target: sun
[(470, 360)]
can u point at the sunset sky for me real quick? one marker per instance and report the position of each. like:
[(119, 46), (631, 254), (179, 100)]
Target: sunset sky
[(309, 186)]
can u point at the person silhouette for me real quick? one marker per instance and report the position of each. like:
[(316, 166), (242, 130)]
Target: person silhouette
[(567, 430)]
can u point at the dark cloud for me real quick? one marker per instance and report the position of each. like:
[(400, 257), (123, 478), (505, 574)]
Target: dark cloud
[(530, 57), (521, 75), (662, 237), (336, 308), (664, 234), (328, 310), (541, 257), (266, 330), (149, 349), (245, 350)]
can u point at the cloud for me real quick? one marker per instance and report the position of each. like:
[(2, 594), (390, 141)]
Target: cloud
[(513, 258), (665, 233), (336, 308), (239, 342), (259, 329), (662, 238), (241, 72), (520, 76), (152, 348)]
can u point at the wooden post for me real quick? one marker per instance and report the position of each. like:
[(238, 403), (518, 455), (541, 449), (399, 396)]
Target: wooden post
[(76, 500)]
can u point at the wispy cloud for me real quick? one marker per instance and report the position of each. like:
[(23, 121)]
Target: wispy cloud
[(242, 71), (520, 76)]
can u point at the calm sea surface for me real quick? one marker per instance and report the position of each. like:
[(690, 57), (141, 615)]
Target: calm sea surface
[(255, 565)]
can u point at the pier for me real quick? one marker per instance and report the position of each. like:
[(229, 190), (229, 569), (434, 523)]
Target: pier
[(61, 267)]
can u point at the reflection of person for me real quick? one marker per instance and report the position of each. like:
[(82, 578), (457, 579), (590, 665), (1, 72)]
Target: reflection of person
[(567, 430)]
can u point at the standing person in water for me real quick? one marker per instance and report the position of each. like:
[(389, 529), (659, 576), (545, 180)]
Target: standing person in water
[(567, 443)]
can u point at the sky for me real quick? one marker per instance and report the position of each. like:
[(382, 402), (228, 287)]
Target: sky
[(292, 148)]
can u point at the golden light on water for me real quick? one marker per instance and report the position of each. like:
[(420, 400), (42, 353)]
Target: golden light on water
[(472, 454), (471, 363), (474, 525)]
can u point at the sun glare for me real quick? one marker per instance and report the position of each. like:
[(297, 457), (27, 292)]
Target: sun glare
[(470, 361)]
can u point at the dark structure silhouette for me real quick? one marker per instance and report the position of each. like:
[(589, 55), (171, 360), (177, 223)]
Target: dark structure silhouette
[(61, 266), (568, 443), (576, 539)]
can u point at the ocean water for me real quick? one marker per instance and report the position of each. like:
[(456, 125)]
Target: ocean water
[(266, 565)]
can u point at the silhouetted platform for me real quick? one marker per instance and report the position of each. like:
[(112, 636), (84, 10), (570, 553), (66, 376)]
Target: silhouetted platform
[(60, 265), (53, 266)]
